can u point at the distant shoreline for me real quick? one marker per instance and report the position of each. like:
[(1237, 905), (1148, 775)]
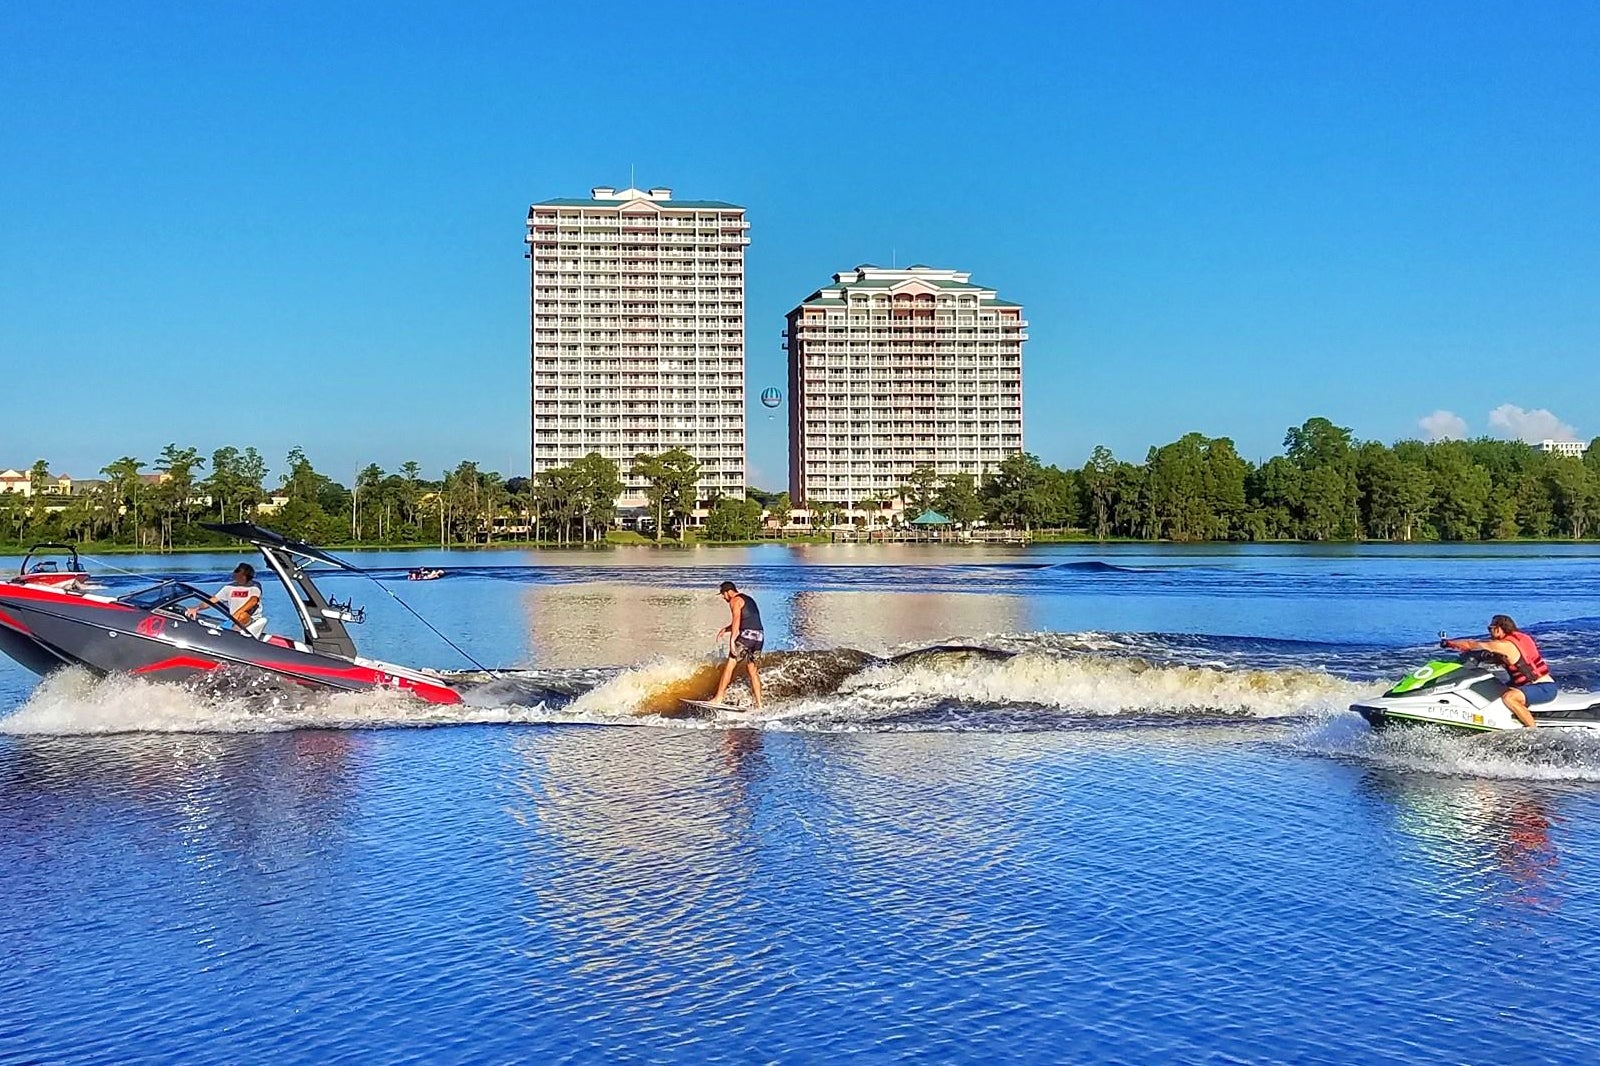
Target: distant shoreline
[(18, 551)]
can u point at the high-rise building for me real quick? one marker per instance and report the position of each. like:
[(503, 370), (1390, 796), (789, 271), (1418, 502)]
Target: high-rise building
[(638, 333), (892, 369)]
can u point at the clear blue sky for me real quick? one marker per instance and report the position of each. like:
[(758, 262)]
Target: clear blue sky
[(282, 223)]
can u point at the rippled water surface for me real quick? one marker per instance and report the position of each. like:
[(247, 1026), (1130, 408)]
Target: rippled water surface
[(1152, 834)]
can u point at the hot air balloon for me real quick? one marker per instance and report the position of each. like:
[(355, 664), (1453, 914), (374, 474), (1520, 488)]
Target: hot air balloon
[(771, 398)]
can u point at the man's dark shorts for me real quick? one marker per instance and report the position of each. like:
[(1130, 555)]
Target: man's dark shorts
[(1540, 692), (748, 645)]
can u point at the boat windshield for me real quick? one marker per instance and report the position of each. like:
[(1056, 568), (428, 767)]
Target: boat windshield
[(163, 595)]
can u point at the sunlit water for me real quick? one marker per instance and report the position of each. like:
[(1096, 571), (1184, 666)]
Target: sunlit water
[(1155, 834)]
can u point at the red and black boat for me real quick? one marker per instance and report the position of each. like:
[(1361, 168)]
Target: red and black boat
[(150, 633), (51, 564)]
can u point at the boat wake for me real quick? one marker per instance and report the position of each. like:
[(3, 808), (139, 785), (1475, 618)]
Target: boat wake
[(1531, 755), (74, 702), (1056, 685)]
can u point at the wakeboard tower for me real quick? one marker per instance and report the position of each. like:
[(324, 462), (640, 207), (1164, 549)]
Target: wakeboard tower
[(51, 564), (1465, 694), (149, 632)]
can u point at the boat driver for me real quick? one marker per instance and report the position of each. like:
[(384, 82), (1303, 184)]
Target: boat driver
[(1531, 683), (240, 600)]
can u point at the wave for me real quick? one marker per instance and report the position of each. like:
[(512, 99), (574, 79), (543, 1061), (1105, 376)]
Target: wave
[(959, 689)]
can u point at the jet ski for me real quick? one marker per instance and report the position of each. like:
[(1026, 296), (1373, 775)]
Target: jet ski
[(149, 632), (1463, 693)]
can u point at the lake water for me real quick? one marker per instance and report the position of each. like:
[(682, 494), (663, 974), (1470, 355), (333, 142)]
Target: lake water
[(1156, 834)]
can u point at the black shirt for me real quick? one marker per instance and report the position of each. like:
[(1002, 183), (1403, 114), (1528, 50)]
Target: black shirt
[(750, 617)]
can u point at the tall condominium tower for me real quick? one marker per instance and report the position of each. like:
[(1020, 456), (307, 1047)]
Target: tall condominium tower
[(638, 332), (890, 370)]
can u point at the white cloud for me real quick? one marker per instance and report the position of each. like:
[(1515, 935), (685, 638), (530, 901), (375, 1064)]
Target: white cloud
[(1532, 426), (1444, 425)]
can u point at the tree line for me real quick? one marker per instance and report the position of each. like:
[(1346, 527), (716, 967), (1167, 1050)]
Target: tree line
[(1326, 485), (163, 504)]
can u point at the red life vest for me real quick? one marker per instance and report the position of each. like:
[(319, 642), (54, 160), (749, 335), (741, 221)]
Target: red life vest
[(1531, 667)]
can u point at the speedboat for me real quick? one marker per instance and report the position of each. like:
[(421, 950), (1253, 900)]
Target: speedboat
[(1463, 693), (45, 627), (62, 570)]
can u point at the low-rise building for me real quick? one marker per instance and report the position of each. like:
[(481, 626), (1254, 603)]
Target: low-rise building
[(1573, 449), (21, 483)]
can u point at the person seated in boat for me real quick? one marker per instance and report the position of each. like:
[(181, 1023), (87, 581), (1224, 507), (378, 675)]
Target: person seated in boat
[(240, 600), (1531, 683)]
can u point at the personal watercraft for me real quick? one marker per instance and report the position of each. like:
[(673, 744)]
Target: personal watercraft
[(1464, 693), (149, 632)]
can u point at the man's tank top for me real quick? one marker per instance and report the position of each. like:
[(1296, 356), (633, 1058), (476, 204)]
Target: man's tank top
[(750, 617)]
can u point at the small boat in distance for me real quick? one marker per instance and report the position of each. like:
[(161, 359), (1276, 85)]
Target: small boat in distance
[(150, 632), (63, 570), (422, 573)]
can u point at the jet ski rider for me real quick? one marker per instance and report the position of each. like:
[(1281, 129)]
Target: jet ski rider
[(1531, 682)]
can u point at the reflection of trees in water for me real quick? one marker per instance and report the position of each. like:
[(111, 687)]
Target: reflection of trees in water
[(1494, 836)]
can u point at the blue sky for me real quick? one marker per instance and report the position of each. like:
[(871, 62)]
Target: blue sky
[(280, 223)]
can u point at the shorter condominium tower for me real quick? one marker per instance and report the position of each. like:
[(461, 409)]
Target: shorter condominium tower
[(893, 369), (638, 333)]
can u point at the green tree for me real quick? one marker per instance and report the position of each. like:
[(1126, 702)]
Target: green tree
[(958, 499), (1461, 488), (731, 519), (1098, 480), (38, 487), (1327, 506), (1226, 474), (920, 490), (1571, 490), (1017, 493), (670, 479), (598, 483), (174, 493), (127, 485), (304, 515), (1176, 475), (366, 502), (782, 509)]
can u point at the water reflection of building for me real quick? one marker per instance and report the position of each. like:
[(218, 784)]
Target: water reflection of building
[(596, 624), (602, 624), (877, 621)]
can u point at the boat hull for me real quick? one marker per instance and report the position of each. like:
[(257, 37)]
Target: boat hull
[(44, 630)]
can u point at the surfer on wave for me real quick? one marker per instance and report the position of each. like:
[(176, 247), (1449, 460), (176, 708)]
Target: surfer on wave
[(745, 638)]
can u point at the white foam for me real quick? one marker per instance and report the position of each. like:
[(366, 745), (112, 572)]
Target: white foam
[(72, 702), (1534, 755), (1109, 686)]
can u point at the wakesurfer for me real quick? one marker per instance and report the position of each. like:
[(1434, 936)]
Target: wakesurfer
[(745, 639), (1530, 682)]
